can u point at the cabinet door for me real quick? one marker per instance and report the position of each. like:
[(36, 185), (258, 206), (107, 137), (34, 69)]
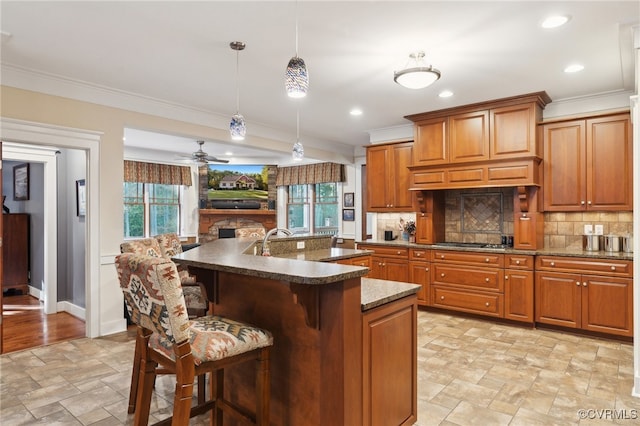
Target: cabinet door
[(607, 305), (557, 299), (609, 163), (377, 163), (518, 295), (469, 137), (396, 269), (513, 132), (389, 367), (431, 145), (419, 274), (564, 166), (377, 268), (400, 198)]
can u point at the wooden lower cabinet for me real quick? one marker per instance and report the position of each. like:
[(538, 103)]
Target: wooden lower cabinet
[(588, 299), (518, 288), (419, 273), (364, 261), (390, 364), (388, 263)]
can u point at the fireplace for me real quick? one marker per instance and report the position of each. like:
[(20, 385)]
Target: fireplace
[(226, 232), (213, 221)]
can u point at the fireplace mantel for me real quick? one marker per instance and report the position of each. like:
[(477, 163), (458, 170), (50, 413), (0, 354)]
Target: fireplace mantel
[(208, 217)]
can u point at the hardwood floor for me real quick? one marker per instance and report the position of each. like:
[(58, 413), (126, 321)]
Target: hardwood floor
[(25, 325)]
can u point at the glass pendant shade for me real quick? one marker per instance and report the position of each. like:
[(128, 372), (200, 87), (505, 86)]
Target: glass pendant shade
[(296, 79), (237, 127), (298, 151), (419, 76)]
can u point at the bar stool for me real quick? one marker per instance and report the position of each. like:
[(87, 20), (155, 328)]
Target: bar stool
[(188, 348)]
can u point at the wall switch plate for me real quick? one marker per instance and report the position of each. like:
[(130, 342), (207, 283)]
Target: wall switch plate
[(588, 229), (300, 244), (599, 230)]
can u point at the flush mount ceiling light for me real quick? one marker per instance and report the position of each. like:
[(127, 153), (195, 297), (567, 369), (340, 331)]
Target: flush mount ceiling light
[(573, 68), (298, 150), (419, 75), (296, 79), (237, 127), (554, 21)]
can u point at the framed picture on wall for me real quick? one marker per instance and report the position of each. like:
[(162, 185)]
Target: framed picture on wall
[(21, 182), (81, 198), (348, 199), (348, 215)]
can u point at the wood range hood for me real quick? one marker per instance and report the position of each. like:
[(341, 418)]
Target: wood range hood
[(488, 144)]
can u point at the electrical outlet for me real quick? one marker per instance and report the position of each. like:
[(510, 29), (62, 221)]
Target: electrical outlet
[(588, 229), (599, 230), (300, 245)]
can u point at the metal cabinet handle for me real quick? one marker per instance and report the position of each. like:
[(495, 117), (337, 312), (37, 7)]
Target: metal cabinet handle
[(506, 277), (486, 260), (584, 284), (577, 282), (441, 297), (486, 304), (517, 262), (582, 202), (442, 256), (613, 268), (442, 274), (418, 254), (553, 263), (426, 269), (486, 279), (589, 202), (398, 252)]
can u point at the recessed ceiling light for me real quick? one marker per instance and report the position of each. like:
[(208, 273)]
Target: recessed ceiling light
[(554, 21), (356, 111), (446, 94), (573, 68), (228, 153)]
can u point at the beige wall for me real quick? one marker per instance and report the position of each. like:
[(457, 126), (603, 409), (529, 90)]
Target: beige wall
[(37, 107)]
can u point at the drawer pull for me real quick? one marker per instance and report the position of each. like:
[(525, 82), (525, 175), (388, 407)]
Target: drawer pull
[(486, 304), (417, 254), (486, 279), (517, 262), (487, 260), (584, 284), (553, 263), (577, 282), (613, 268), (399, 252), (506, 277), (442, 274), (442, 256), (441, 297), (426, 269)]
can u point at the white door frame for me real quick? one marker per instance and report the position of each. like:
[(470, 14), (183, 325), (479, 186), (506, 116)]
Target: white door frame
[(31, 133)]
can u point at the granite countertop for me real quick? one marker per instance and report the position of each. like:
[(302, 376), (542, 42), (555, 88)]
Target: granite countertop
[(376, 292), (227, 255), (546, 251)]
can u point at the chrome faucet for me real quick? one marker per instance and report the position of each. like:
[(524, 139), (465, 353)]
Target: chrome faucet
[(265, 242)]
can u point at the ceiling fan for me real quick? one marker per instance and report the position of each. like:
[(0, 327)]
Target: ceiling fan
[(202, 157)]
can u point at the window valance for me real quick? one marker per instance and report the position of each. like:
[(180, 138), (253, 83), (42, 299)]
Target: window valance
[(310, 173), (137, 171)]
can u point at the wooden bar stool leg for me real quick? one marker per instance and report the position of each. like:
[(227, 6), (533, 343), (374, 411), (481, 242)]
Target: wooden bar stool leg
[(145, 389), (217, 394)]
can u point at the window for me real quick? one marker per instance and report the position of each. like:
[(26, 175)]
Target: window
[(318, 201), (151, 209)]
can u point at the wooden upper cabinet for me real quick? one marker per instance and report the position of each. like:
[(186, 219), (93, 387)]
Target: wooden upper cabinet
[(609, 163), (431, 144), (513, 131), (388, 177), (469, 137), (588, 164)]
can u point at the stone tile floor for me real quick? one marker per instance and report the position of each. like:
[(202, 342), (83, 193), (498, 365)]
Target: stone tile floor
[(470, 372)]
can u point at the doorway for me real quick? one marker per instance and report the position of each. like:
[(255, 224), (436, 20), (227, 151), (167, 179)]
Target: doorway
[(35, 135)]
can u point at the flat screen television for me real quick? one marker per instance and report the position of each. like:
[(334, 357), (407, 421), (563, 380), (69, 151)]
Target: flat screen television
[(237, 186)]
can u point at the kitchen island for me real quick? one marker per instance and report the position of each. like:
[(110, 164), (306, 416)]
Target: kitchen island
[(326, 319)]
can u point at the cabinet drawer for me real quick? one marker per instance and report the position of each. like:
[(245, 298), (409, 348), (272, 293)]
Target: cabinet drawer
[(468, 258), (486, 304), (479, 278), (623, 268), (358, 261), (386, 251), (418, 254), (516, 261)]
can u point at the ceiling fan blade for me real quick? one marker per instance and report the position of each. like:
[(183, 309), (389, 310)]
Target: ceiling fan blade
[(215, 160)]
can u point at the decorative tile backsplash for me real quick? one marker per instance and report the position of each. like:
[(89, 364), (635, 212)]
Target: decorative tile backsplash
[(478, 215), (565, 230)]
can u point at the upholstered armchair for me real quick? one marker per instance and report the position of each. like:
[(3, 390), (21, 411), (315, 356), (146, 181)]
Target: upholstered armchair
[(167, 246)]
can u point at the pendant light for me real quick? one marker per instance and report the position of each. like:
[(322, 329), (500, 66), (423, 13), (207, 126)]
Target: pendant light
[(237, 127), (296, 79), (298, 150), (419, 76)]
